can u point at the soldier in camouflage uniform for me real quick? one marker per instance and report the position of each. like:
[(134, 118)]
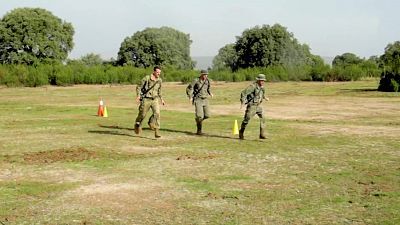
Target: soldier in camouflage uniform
[(198, 92), (149, 95), (253, 96)]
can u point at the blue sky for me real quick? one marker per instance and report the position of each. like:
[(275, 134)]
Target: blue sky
[(329, 27)]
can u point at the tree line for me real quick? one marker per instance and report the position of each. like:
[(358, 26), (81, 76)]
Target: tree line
[(34, 47)]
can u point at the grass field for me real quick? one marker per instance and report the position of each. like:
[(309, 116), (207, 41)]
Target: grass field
[(332, 157)]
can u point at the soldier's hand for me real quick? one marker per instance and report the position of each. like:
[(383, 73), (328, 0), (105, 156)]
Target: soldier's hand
[(190, 100), (267, 99), (211, 94), (162, 102), (137, 99)]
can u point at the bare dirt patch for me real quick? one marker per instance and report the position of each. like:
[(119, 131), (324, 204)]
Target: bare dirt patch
[(125, 198), (189, 157), (137, 149), (60, 155)]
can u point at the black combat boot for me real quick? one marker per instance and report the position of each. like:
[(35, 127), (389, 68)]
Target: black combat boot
[(138, 129), (241, 133), (262, 135)]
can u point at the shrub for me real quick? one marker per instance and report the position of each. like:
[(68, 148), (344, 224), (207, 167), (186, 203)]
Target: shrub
[(389, 82)]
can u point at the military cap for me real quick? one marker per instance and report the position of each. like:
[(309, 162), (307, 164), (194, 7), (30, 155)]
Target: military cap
[(260, 77), (204, 72)]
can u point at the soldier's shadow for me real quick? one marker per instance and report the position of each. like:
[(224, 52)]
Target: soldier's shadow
[(194, 134), (117, 132), (162, 129)]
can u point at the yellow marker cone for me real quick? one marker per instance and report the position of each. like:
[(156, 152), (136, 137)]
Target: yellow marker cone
[(105, 113), (235, 128)]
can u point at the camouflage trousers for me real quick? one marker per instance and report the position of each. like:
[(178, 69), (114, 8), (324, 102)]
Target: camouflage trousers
[(145, 105), (202, 109), (252, 110)]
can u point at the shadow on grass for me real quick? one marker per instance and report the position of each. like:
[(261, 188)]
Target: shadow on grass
[(194, 134), (359, 89), (117, 133), (162, 129)]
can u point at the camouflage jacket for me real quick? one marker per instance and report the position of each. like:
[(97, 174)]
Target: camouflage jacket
[(253, 94), (149, 88), (198, 89)]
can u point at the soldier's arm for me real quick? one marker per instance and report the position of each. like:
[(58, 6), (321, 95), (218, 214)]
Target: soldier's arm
[(245, 92), (160, 93), (139, 89), (209, 88), (264, 97), (190, 89)]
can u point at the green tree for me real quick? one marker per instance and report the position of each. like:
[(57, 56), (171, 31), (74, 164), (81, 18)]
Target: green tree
[(346, 59), (156, 46), (270, 46), (371, 67), (33, 35), (318, 68), (91, 59), (390, 78), (226, 58), (391, 57)]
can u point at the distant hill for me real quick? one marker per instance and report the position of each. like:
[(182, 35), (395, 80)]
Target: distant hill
[(203, 62)]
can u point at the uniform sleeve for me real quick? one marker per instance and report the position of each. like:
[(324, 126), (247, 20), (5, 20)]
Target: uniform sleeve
[(245, 92), (139, 86), (189, 89), (209, 87), (263, 93), (160, 89)]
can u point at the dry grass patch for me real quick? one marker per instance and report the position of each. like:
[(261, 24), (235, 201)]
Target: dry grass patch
[(328, 108), (329, 129), (122, 199)]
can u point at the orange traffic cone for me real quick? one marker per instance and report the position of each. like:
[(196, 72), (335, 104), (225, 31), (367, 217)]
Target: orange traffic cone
[(100, 111)]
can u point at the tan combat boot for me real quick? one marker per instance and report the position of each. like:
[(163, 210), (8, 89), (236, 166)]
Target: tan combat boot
[(151, 125), (157, 133)]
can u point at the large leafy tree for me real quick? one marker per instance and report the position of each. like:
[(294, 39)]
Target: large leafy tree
[(346, 59), (91, 59), (267, 46), (226, 58), (390, 80), (156, 46), (391, 57), (32, 35)]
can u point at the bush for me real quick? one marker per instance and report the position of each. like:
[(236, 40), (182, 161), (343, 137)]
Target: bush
[(3, 74), (319, 72), (36, 77), (390, 82)]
